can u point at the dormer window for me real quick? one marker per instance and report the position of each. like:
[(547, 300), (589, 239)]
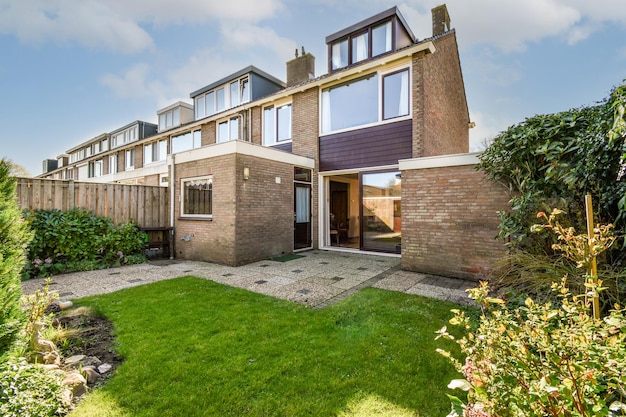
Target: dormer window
[(224, 97), (361, 46), (370, 38)]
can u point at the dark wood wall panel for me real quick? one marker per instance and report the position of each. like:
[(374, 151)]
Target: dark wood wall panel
[(374, 146), (283, 147)]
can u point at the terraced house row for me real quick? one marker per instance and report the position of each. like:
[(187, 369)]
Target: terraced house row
[(372, 156)]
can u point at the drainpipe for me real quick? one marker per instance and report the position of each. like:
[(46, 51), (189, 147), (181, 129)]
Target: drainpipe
[(172, 205)]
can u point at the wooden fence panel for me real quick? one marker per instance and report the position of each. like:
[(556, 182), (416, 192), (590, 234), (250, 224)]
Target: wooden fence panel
[(148, 206)]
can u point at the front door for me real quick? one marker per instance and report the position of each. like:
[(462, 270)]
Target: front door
[(302, 216)]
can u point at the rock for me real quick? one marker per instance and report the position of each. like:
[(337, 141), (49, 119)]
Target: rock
[(51, 367), (76, 383), (64, 305), (104, 368), (91, 361), (43, 345), (51, 358), (74, 360), (91, 375)]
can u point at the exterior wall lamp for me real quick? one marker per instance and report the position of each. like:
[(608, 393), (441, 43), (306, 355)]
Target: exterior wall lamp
[(246, 173)]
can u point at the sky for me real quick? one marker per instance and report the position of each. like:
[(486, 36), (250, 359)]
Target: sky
[(71, 70)]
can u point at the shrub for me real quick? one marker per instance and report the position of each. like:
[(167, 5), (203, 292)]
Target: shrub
[(540, 359), (77, 240), (30, 390), (553, 161), (545, 359), (14, 236)]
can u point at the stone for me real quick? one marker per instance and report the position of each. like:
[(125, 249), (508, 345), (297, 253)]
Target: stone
[(73, 360), (91, 375), (104, 368), (76, 383)]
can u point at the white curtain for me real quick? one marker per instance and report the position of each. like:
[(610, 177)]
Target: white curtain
[(361, 48), (336, 55), (388, 37), (326, 121), (403, 106), (302, 205)]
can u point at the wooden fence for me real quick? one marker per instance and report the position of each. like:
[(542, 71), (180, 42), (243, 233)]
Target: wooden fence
[(148, 206)]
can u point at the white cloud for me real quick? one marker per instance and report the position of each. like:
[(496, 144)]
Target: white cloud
[(248, 37), (117, 24)]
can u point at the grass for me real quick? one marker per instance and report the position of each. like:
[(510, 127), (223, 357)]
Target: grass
[(197, 348)]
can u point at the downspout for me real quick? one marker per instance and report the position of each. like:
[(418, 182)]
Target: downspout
[(172, 204)]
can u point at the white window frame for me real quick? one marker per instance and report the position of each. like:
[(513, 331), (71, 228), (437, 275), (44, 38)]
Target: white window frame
[(183, 181), (129, 159), (113, 164), (381, 76), (155, 152), (229, 103), (229, 121), (274, 140)]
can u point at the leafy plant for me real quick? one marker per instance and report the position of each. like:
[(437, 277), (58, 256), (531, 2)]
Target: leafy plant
[(553, 161), (540, 359), (30, 390), (544, 359), (77, 240), (14, 236)]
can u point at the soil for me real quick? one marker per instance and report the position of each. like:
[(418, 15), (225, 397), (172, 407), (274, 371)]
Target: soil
[(93, 336)]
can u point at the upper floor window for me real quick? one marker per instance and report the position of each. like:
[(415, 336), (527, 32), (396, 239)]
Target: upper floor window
[(113, 164), (123, 137), (365, 101), (362, 45), (228, 130), (95, 169), (129, 159), (186, 141), (276, 124), (224, 97), (154, 152), (169, 119)]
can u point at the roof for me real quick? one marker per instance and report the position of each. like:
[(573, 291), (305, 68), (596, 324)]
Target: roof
[(136, 122), (249, 69), (174, 105), (394, 11)]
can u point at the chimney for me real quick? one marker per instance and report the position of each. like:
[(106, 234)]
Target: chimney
[(441, 20), (301, 68)]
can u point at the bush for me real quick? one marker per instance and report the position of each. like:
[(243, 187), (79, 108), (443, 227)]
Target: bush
[(29, 390), (540, 359), (554, 161), (14, 236), (77, 240)]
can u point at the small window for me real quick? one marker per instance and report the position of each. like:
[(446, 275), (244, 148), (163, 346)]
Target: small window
[(220, 99), (396, 95), (340, 54), (113, 164), (276, 124), (234, 93), (381, 39), (228, 130), (197, 198), (360, 47), (130, 159), (245, 91)]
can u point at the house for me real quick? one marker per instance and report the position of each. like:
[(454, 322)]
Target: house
[(258, 168)]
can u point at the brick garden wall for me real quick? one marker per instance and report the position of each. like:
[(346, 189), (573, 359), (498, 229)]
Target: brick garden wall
[(449, 220)]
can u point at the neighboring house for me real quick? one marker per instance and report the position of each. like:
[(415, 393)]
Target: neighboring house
[(258, 168)]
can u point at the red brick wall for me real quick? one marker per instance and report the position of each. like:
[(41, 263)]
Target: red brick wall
[(446, 116), (264, 218), (252, 219), (449, 221), (440, 113), (305, 142)]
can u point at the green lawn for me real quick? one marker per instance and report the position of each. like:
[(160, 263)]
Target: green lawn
[(196, 348)]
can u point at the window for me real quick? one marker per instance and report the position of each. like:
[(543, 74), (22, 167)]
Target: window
[(276, 124), (363, 45), (396, 95), (197, 198), (95, 169), (224, 97), (123, 137), (154, 152), (381, 39), (340, 54), (360, 47), (129, 159), (357, 102), (169, 119), (96, 148), (228, 130), (351, 104), (186, 141), (113, 164)]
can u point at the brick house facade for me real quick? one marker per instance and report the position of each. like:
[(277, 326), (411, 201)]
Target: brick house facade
[(351, 160)]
